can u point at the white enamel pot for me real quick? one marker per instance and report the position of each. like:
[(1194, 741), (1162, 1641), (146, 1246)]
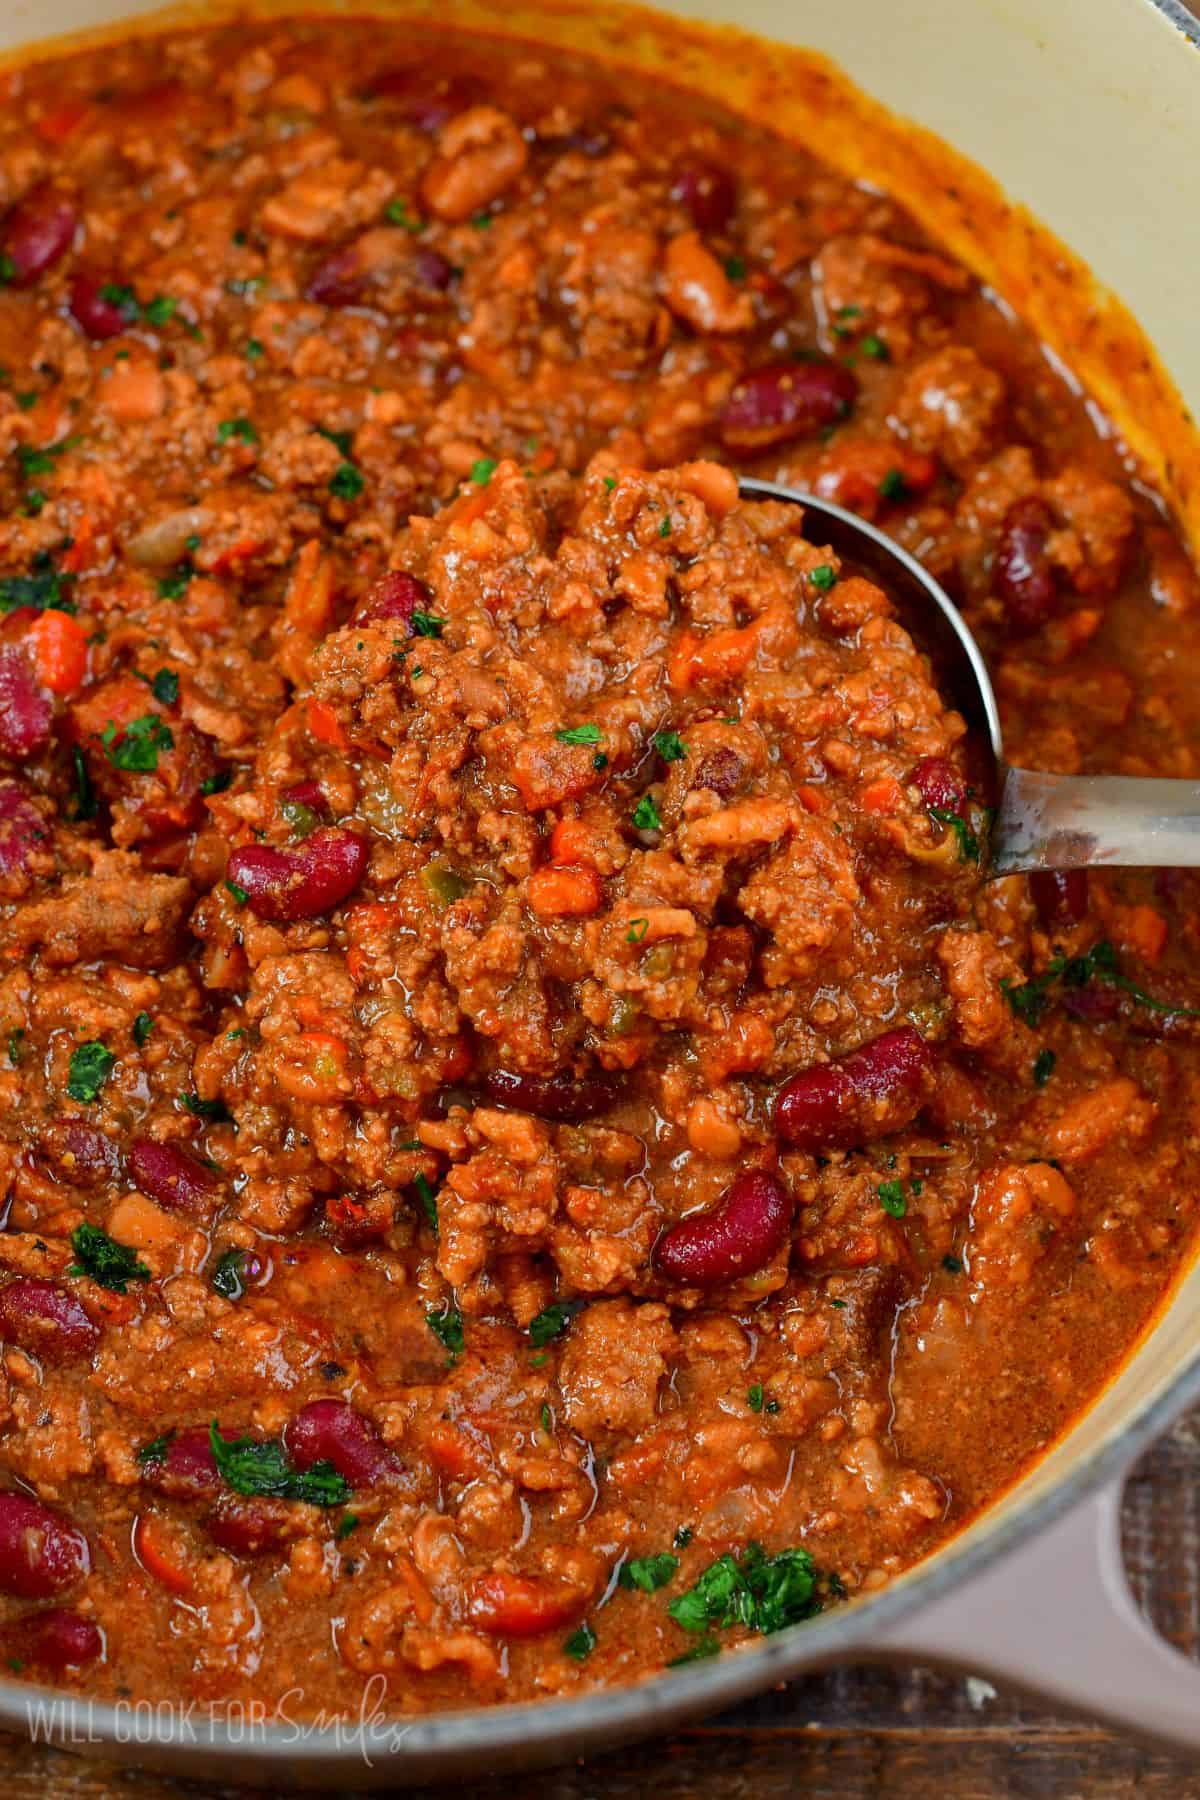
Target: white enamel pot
[(1086, 115)]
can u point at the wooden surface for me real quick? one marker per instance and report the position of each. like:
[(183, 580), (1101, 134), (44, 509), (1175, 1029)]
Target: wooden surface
[(856, 1732)]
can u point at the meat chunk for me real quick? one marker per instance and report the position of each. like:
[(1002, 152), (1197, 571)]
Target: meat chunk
[(1019, 1207), (951, 406), (615, 1358), (975, 965), (118, 910)]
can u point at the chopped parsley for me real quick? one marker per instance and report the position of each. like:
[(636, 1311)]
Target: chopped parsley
[(549, 1322), (735, 268), (240, 894), (428, 1199), (872, 345), (579, 734), (165, 687), (396, 213), (253, 350), (15, 1039), (823, 577), (756, 1399), (580, 1644), (91, 1065), (893, 486), (229, 1276), (104, 1261), (649, 1573), (215, 1111), (481, 220), (1029, 999), (85, 798), (261, 1466), (646, 815), (637, 930), (346, 1525), (683, 1537), (143, 1025), (968, 843), (1043, 1067), (161, 309), (764, 1593), (346, 482), (174, 586), (664, 530), (699, 1652), (216, 784), (136, 746), (121, 298), (546, 1419), (891, 1198), (242, 429), (426, 625), (447, 1328), (483, 470), (670, 746), (41, 588), (155, 1452)]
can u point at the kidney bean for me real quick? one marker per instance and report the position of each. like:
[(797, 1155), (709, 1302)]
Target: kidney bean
[(26, 711), (1060, 896), (79, 1154), (41, 1552), (432, 270), (564, 1098), (721, 770), (941, 786), (187, 1469), (339, 281), (54, 1641), (171, 1177), (521, 1606), (284, 885), (331, 1431), (785, 400), (38, 231), (245, 1527), (707, 192), (22, 828), (873, 1091), (93, 310), (396, 596), (743, 1231), (426, 103), (1022, 574), (46, 1319)]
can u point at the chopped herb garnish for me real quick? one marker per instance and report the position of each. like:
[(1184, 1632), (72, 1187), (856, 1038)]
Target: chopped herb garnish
[(610, 482), (756, 1399), (649, 1573), (174, 586), (546, 1419), (216, 784), (735, 268), (765, 1593), (161, 309), (28, 401), (143, 1025), (121, 298), (136, 746), (670, 746), (1043, 1067), (242, 429), (426, 625), (428, 1199), (637, 930), (707, 1646), (85, 798), (346, 1525), (396, 213), (41, 588), (893, 486), (483, 470), (15, 1039), (91, 1065), (261, 1466), (891, 1198), (341, 440), (579, 734), (346, 482), (664, 530), (215, 1111), (968, 843), (240, 894), (683, 1537), (549, 1322), (447, 1327), (646, 815), (872, 345), (580, 1644), (481, 220), (156, 1450), (1029, 999), (229, 1276), (823, 577), (104, 1261), (253, 350), (165, 687)]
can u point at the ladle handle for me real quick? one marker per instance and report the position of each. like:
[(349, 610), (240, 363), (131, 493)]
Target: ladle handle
[(1078, 821)]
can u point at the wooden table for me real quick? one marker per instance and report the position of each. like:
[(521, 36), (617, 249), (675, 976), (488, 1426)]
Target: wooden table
[(855, 1732)]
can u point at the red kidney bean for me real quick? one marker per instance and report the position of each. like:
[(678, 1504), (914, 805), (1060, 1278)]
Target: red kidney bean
[(26, 711), (721, 770), (707, 192), (941, 786), (565, 1098), (245, 1527), (785, 400), (284, 885), (171, 1177), (395, 596), (41, 1552), (305, 793), (339, 281), (46, 1319), (331, 1431), (743, 1231), (1023, 575), (93, 310), (423, 102), (38, 231), (1060, 896), (54, 1641), (873, 1091), (432, 270), (79, 1154), (22, 828), (187, 1469)]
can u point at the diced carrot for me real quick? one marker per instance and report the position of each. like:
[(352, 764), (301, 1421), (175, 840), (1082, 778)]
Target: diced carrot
[(521, 1606), (308, 600), (60, 651), (719, 657), (237, 553), (1141, 930), (455, 1452), (572, 841), (325, 725), (882, 797), (563, 893), (312, 1066), (162, 1555)]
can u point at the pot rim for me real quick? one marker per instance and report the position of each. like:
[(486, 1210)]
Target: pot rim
[(623, 1713)]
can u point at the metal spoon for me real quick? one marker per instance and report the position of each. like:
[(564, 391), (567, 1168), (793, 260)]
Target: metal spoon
[(1042, 821)]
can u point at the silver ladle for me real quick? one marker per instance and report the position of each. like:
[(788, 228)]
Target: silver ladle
[(1041, 821)]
